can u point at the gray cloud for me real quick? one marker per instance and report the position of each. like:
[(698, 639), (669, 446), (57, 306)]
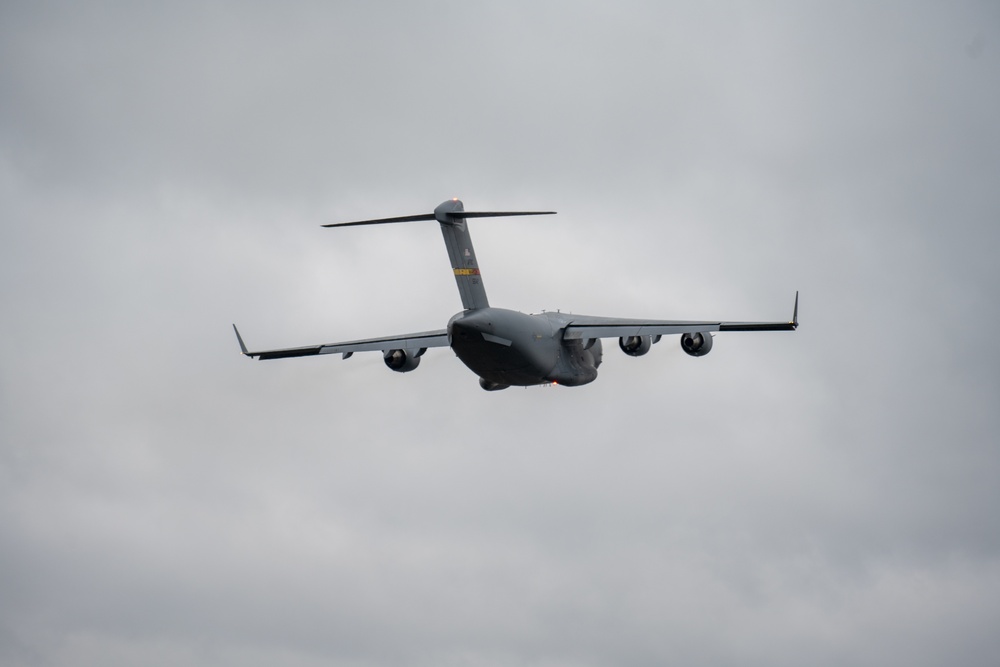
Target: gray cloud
[(826, 495)]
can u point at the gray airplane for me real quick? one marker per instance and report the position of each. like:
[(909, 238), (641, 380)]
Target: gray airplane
[(506, 347)]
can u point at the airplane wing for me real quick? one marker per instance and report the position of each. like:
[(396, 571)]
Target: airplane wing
[(414, 341), (582, 326)]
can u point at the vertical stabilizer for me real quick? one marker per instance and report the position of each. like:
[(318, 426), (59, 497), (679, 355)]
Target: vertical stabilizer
[(462, 255)]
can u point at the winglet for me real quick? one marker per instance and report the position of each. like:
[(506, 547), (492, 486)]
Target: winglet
[(795, 313), (243, 346)]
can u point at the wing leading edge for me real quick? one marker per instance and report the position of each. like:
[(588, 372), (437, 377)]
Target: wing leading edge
[(582, 327), (413, 341)]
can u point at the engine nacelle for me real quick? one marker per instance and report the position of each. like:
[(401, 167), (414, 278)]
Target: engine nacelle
[(491, 386), (635, 346), (402, 361), (697, 344)]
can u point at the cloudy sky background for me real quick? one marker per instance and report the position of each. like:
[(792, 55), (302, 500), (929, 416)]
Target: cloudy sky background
[(825, 497)]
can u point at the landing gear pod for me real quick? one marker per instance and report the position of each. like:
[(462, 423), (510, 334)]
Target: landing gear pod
[(491, 386)]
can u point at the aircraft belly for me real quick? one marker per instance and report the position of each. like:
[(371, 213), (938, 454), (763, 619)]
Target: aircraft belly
[(504, 346), (504, 364)]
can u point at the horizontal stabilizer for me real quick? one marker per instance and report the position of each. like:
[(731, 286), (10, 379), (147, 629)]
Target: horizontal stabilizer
[(432, 216), (382, 221), (496, 214)]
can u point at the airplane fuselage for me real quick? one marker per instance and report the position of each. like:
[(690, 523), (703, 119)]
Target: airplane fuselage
[(506, 347)]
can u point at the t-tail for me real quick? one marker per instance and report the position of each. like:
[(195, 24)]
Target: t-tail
[(462, 254), (452, 217)]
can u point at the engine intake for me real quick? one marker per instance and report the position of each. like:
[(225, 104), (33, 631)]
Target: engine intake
[(403, 361), (697, 344), (635, 346)]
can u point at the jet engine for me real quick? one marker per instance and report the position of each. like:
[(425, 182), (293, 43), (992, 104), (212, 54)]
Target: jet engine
[(697, 344), (403, 361), (635, 346)]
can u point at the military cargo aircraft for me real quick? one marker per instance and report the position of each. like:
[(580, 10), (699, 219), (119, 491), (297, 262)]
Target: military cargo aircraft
[(509, 348)]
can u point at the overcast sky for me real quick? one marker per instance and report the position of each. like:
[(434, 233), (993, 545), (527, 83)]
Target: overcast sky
[(823, 497)]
